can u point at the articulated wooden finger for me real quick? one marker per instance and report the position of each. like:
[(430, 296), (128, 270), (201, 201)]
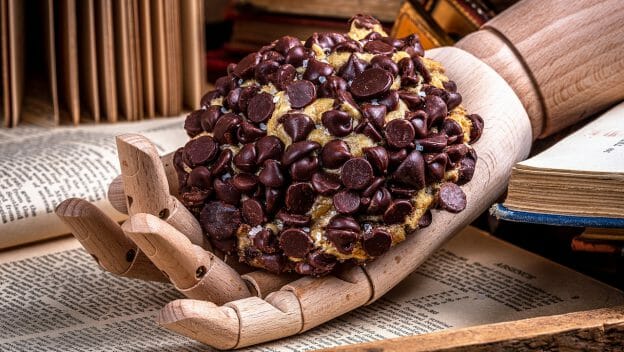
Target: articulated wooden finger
[(117, 197), (105, 241), (261, 282), (195, 272), (147, 188)]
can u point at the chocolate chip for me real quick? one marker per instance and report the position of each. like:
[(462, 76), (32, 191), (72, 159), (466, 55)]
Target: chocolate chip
[(377, 242), (341, 222), (378, 47), (435, 108), (325, 183), (425, 219), (433, 143), (260, 107), (375, 114), (271, 175), (322, 262), (466, 169), (266, 241), (231, 100), (420, 67), (220, 220), (245, 182), (419, 121), (225, 128), (477, 127), (272, 262), (370, 190), (246, 158), (200, 177), (285, 43), (284, 76), (246, 94), (378, 158), (379, 201), (269, 147), (296, 55), (412, 100), (399, 133), (406, 67), (272, 197), (337, 122), (200, 151), (302, 169), (394, 42), (298, 150), (346, 202), (411, 171), (436, 165), (364, 21), (317, 69), (453, 130), (209, 117), (366, 128), (344, 241), (451, 86), (456, 152), (349, 45), (273, 55), (226, 192), (252, 212), (245, 68), (451, 198), (192, 123), (226, 246), (352, 68), (303, 268), (297, 126), (397, 211), (453, 101), (356, 173), (390, 100), (249, 133), (293, 219), (396, 157), (195, 198), (295, 243), (402, 192), (413, 42), (299, 198), (225, 84), (371, 83), (385, 63), (222, 164), (301, 93), (332, 86)]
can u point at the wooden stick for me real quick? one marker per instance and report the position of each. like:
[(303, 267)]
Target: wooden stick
[(195, 272), (147, 189), (105, 241), (592, 330)]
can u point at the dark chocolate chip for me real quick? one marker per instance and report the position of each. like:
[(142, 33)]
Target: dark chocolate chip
[(390, 100), (285, 43), (209, 117), (337, 122), (466, 169), (207, 99), (364, 21), (379, 201), (420, 67), (246, 158), (356, 173), (260, 107), (323, 263), (271, 175), (220, 220), (298, 150), (297, 126), (402, 192), (299, 197), (453, 101), (284, 76), (227, 245), (222, 165), (341, 222), (335, 153), (303, 169), (332, 86), (436, 165), (246, 94), (231, 100), (226, 192), (301, 93), (372, 188), (200, 177), (378, 157), (325, 183), (272, 197), (435, 108), (225, 84), (371, 83), (352, 68), (317, 69), (293, 219), (453, 130), (397, 211), (412, 100), (252, 212), (344, 241), (413, 42), (451, 198), (396, 157), (411, 171), (399, 133), (295, 243), (378, 47), (266, 241), (433, 143), (269, 147), (192, 123), (225, 128), (303, 268), (368, 129), (375, 114), (346, 202), (245, 68), (385, 63), (406, 67), (296, 55), (477, 127), (377, 242), (456, 152), (425, 219), (419, 121), (195, 198), (200, 151), (273, 55), (245, 182), (349, 45), (274, 263), (249, 133)]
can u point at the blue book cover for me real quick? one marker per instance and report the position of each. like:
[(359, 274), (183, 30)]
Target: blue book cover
[(503, 213)]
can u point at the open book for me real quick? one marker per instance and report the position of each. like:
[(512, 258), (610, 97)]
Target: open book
[(61, 301), (583, 174), (39, 168)]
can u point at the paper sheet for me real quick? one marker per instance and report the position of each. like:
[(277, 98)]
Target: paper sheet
[(64, 302)]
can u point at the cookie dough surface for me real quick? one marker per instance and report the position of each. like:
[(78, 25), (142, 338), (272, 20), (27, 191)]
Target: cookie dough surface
[(318, 153)]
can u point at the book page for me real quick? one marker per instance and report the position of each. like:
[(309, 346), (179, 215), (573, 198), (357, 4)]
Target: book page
[(598, 147), (39, 168), (64, 302)]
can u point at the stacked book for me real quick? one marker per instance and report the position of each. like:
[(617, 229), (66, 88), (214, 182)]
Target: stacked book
[(68, 61)]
